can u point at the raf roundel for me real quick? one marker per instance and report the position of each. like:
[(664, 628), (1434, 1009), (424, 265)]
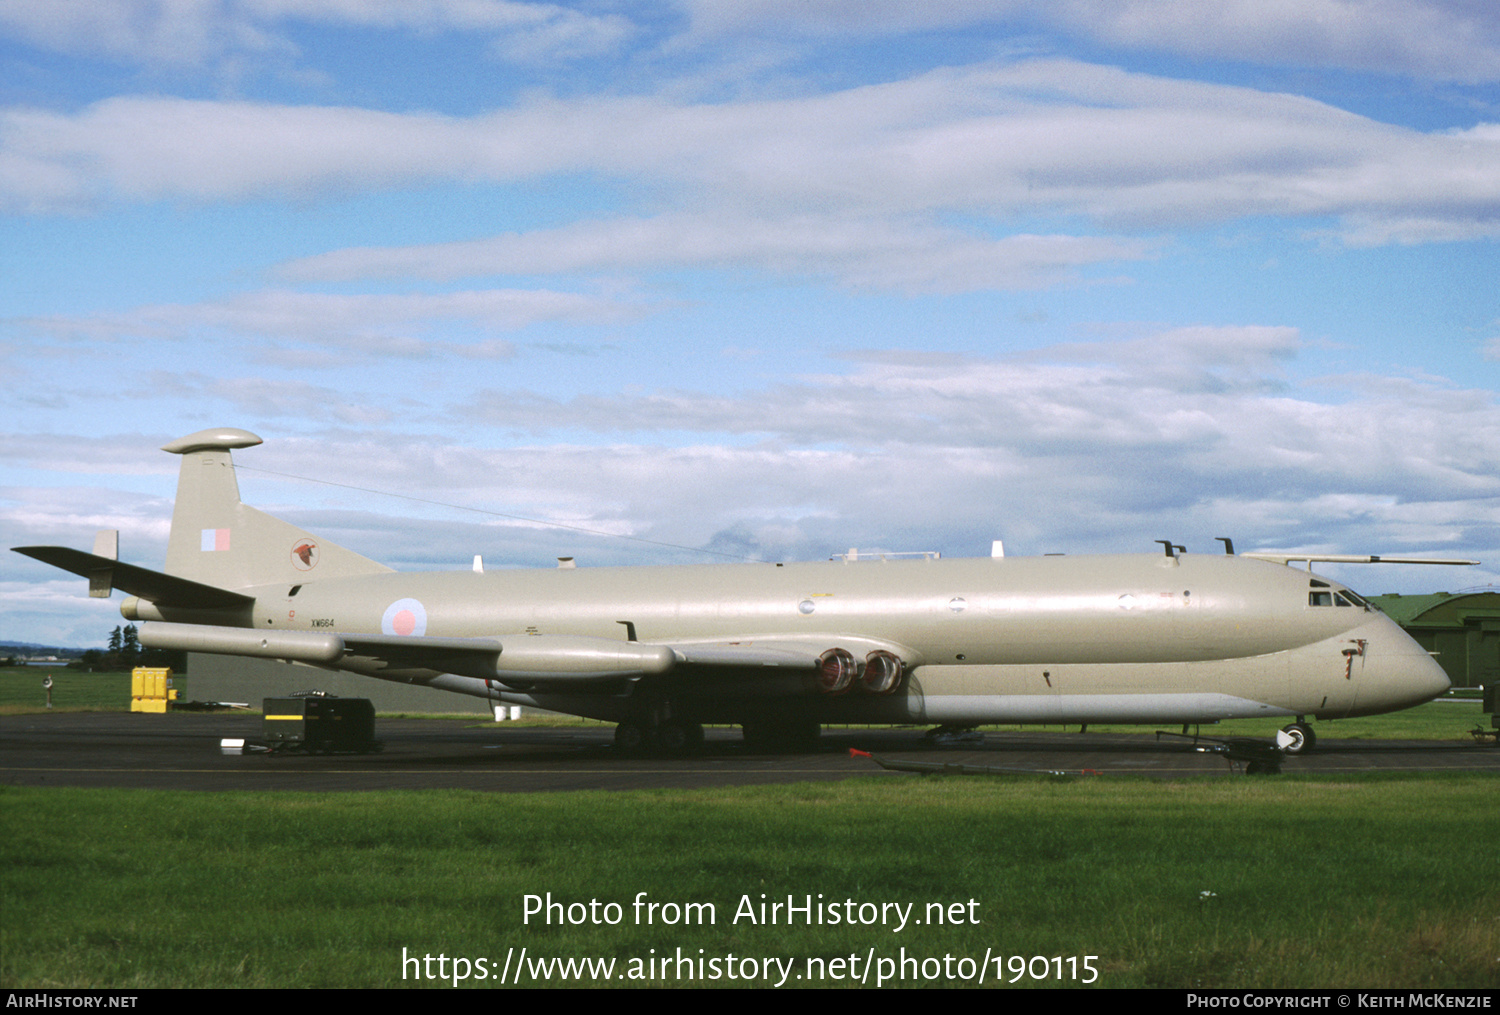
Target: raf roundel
[(404, 617)]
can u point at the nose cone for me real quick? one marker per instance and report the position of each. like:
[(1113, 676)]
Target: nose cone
[(1434, 682), (1398, 673)]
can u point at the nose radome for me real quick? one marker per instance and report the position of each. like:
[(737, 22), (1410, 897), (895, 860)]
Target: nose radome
[(1404, 673), (1437, 679)]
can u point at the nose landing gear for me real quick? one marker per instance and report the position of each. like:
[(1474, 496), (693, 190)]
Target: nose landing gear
[(1297, 738)]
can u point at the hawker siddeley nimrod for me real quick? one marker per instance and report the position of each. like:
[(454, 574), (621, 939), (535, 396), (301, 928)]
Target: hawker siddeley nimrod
[(779, 649)]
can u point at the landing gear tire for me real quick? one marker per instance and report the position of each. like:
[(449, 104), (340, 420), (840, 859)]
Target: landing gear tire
[(678, 736), (803, 736), (1303, 738), (632, 738), (759, 737), (790, 736)]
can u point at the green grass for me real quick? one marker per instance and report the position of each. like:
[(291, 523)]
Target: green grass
[(1288, 882), (72, 690)]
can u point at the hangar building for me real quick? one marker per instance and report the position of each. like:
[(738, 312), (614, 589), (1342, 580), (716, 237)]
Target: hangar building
[(1461, 629)]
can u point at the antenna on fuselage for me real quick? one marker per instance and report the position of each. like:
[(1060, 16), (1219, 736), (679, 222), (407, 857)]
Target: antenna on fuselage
[(1168, 546), (1228, 544)]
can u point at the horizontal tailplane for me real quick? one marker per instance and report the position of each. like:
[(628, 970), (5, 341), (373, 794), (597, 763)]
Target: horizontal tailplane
[(164, 590)]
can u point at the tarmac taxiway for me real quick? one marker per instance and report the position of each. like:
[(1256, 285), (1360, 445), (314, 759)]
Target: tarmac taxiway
[(181, 751)]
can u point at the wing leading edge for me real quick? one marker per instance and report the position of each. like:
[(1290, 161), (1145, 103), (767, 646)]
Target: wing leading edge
[(526, 657)]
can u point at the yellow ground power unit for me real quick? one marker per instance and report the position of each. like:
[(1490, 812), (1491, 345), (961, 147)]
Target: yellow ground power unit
[(151, 689)]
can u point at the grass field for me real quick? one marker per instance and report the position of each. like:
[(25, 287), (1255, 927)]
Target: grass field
[(72, 690), (1296, 881)]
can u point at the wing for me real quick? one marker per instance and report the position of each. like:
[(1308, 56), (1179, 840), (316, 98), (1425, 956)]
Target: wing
[(167, 590), (526, 658), (513, 659)]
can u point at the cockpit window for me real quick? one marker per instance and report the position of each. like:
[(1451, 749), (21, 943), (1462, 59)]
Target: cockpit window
[(1322, 594)]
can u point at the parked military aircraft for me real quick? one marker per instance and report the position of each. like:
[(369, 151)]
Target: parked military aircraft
[(778, 648)]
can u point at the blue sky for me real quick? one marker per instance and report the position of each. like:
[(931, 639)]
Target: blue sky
[(769, 279)]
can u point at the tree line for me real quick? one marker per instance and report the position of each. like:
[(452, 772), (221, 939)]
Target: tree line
[(125, 652)]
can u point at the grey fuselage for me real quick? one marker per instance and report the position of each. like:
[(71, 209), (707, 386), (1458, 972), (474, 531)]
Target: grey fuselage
[(1138, 638)]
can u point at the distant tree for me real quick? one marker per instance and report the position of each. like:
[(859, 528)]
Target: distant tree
[(130, 646), (116, 641)]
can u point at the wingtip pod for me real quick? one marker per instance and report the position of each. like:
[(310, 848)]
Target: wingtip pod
[(222, 438)]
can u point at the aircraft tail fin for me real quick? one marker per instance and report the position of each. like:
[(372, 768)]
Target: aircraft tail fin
[(217, 540)]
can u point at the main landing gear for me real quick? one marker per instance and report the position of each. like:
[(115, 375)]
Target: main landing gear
[(670, 737), (1301, 736), (782, 735)]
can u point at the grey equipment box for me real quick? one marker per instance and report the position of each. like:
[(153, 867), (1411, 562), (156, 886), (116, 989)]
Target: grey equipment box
[(319, 723)]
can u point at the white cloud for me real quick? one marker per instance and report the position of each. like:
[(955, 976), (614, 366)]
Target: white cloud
[(278, 399), (875, 253), (173, 32), (1188, 433), (1172, 419), (1444, 40), (525, 32), (92, 455), (1037, 138), (75, 513), (200, 32), (362, 324)]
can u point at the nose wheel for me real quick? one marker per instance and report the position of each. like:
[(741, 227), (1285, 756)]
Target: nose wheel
[(1297, 738)]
